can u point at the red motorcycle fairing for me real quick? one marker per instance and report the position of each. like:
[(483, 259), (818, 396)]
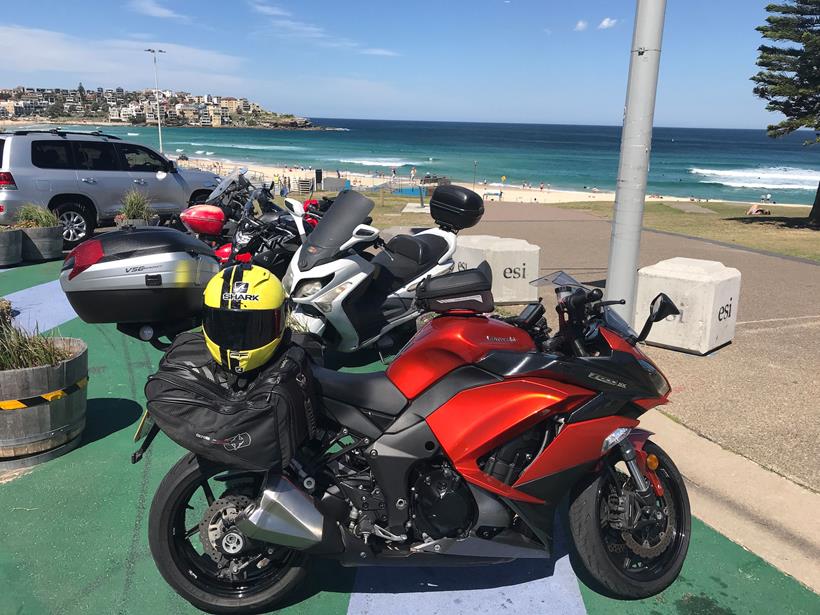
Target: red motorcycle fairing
[(223, 253), (477, 420), (449, 342), (619, 344)]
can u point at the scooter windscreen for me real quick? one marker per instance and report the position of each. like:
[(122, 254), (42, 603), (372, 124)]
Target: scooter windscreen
[(349, 210)]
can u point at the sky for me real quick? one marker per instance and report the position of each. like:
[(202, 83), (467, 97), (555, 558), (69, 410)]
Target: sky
[(530, 61)]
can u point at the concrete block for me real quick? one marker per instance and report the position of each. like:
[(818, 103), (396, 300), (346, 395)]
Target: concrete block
[(514, 263), (707, 294)]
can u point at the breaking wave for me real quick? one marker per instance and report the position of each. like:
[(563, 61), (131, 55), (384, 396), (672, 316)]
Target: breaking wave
[(768, 178), (379, 162)]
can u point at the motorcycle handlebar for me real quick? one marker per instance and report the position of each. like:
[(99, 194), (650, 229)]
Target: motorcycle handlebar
[(580, 298)]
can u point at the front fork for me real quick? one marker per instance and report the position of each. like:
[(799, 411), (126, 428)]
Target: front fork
[(645, 480)]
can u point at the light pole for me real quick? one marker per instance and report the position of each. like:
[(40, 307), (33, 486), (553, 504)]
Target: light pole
[(475, 169), (636, 142), (154, 52)]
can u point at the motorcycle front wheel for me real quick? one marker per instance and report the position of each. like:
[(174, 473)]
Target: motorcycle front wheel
[(190, 514), (636, 563)]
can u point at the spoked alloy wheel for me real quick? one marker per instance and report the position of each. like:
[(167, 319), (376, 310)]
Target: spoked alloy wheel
[(645, 557), (74, 226), (199, 552)]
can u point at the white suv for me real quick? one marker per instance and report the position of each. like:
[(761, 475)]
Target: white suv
[(82, 177)]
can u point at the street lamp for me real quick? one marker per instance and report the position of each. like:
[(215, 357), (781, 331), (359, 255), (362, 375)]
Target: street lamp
[(154, 52), (475, 168)]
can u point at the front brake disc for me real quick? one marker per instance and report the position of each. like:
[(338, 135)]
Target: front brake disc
[(665, 536)]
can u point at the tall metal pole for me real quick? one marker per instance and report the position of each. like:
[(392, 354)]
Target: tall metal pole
[(154, 52), (636, 143), (475, 170)]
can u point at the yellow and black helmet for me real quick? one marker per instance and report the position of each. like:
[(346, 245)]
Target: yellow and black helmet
[(244, 317)]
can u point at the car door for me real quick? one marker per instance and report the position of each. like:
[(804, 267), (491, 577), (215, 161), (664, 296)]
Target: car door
[(149, 171), (53, 173), (99, 175)]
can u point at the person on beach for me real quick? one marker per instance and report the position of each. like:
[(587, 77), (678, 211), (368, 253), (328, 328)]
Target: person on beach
[(541, 187), (338, 174), (413, 175)]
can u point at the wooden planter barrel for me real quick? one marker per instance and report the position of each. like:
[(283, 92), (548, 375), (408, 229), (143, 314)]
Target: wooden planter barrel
[(49, 414), (11, 248), (42, 244)]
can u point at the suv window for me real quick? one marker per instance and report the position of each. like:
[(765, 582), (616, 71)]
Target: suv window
[(136, 158), (51, 154), (95, 156), (2, 145)]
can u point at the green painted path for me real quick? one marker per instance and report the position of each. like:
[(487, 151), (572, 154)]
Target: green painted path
[(73, 533)]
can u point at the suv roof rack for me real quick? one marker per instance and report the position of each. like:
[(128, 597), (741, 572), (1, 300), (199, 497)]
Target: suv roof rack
[(61, 133)]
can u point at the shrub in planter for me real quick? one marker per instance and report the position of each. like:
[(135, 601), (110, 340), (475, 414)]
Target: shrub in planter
[(42, 394), (136, 210), (42, 233), (11, 246)]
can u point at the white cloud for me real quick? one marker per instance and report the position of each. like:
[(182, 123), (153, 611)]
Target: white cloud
[(607, 23), (269, 10), (581, 25), (51, 58), (377, 51), (153, 8), (547, 31), (282, 23)]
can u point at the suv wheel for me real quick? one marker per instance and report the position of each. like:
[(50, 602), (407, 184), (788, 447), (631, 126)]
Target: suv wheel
[(78, 223)]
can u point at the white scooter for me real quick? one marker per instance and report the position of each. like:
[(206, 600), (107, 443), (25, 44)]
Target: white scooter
[(349, 297)]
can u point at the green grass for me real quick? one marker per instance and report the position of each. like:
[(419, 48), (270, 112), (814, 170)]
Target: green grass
[(387, 211), (784, 232)]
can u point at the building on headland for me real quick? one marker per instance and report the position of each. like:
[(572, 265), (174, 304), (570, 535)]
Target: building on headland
[(175, 108)]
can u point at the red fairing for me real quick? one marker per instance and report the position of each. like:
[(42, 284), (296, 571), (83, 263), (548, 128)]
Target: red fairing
[(223, 253), (617, 343), (446, 343), (478, 420), (203, 219), (576, 444)]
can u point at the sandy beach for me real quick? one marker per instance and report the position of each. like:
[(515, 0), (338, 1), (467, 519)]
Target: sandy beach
[(491, 192)]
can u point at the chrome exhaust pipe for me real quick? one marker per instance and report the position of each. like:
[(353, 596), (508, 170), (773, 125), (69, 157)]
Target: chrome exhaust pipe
[(284, 516)]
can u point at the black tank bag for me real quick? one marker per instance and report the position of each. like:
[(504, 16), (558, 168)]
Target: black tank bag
[(257, 427)]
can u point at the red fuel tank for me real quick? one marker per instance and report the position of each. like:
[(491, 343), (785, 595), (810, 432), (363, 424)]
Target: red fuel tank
[(448, 342)]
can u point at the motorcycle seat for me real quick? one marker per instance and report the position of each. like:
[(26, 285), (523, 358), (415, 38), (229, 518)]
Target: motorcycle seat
[(373, 391), (407, 256)]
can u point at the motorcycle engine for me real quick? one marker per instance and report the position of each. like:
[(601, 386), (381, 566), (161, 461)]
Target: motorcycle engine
[(442, 504)]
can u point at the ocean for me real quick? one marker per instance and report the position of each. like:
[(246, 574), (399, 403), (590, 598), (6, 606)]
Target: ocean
[(686, 162)]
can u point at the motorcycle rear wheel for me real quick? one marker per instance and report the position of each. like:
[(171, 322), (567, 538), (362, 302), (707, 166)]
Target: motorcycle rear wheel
[(194, 575), (615, 570)]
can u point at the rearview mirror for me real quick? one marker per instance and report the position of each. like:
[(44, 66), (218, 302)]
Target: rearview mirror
[(661, 308)]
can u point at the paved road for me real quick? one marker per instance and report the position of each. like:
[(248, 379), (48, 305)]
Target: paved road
[(757, 397)]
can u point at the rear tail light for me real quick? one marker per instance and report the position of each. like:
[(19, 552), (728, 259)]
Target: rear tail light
[(7, 181), (83, 256)]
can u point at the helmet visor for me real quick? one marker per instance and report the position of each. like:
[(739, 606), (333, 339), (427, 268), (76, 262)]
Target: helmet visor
[(242, 329)]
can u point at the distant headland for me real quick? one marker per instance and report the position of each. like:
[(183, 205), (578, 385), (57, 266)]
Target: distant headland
[(118, 106)]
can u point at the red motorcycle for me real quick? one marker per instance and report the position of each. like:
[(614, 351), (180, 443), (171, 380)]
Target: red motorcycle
[(458, 454)]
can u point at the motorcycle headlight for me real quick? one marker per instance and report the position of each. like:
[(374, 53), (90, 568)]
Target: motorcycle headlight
[(325, 302), (307, 288)]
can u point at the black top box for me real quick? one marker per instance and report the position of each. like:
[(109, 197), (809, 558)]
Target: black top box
[(455, 207)]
